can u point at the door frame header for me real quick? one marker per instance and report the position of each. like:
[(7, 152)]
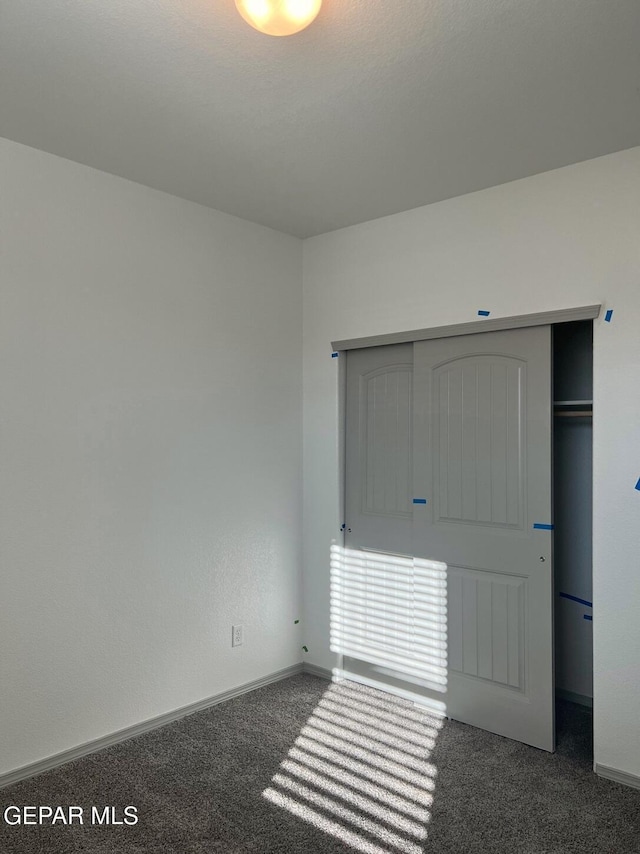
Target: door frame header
[(495, 324)]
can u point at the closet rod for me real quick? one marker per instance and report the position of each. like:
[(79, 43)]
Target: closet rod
[(586, 413)]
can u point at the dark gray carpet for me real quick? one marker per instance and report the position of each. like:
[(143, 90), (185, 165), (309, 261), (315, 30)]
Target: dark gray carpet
[(304, 766)]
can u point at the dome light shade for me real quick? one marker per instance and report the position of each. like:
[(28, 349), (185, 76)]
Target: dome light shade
[(279, 17)]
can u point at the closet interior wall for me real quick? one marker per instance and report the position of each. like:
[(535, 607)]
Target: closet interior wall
[(572, 435)]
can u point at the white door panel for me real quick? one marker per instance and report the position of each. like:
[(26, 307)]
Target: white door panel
[(379, 448), (461, 426), (482, 422)]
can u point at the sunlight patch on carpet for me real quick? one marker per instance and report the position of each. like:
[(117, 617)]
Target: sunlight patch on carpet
[(360, 770)]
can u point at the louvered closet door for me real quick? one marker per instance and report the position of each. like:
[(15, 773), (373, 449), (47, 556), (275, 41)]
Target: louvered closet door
[(476, 456)]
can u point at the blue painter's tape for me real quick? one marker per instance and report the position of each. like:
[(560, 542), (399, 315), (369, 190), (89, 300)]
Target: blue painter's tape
[(419, 500), (608, 315), (587, 617), (541, 526), (484, 313), (576, 599), (638, 485), (334, 355)]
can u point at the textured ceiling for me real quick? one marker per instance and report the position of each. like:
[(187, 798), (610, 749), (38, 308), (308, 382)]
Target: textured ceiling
[(380, 106)]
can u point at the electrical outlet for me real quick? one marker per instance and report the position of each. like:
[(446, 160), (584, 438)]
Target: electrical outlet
[(237, 636)]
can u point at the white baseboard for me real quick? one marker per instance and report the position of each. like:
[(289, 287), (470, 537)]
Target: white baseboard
[(581, 699), (314, 670), (617, 776), (433, 707), (88, 747)]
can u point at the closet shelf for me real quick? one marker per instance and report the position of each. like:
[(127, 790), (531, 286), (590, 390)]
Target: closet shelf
[(563, 408)]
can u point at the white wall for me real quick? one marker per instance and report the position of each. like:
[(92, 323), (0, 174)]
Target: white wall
[(564, 238), (150, 419)]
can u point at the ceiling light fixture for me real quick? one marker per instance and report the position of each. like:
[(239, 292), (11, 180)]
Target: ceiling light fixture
[(279, 17)]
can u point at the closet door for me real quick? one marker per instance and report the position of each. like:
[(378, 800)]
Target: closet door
[(387, 609), (482, 457), (448, 461), (379, 448)]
